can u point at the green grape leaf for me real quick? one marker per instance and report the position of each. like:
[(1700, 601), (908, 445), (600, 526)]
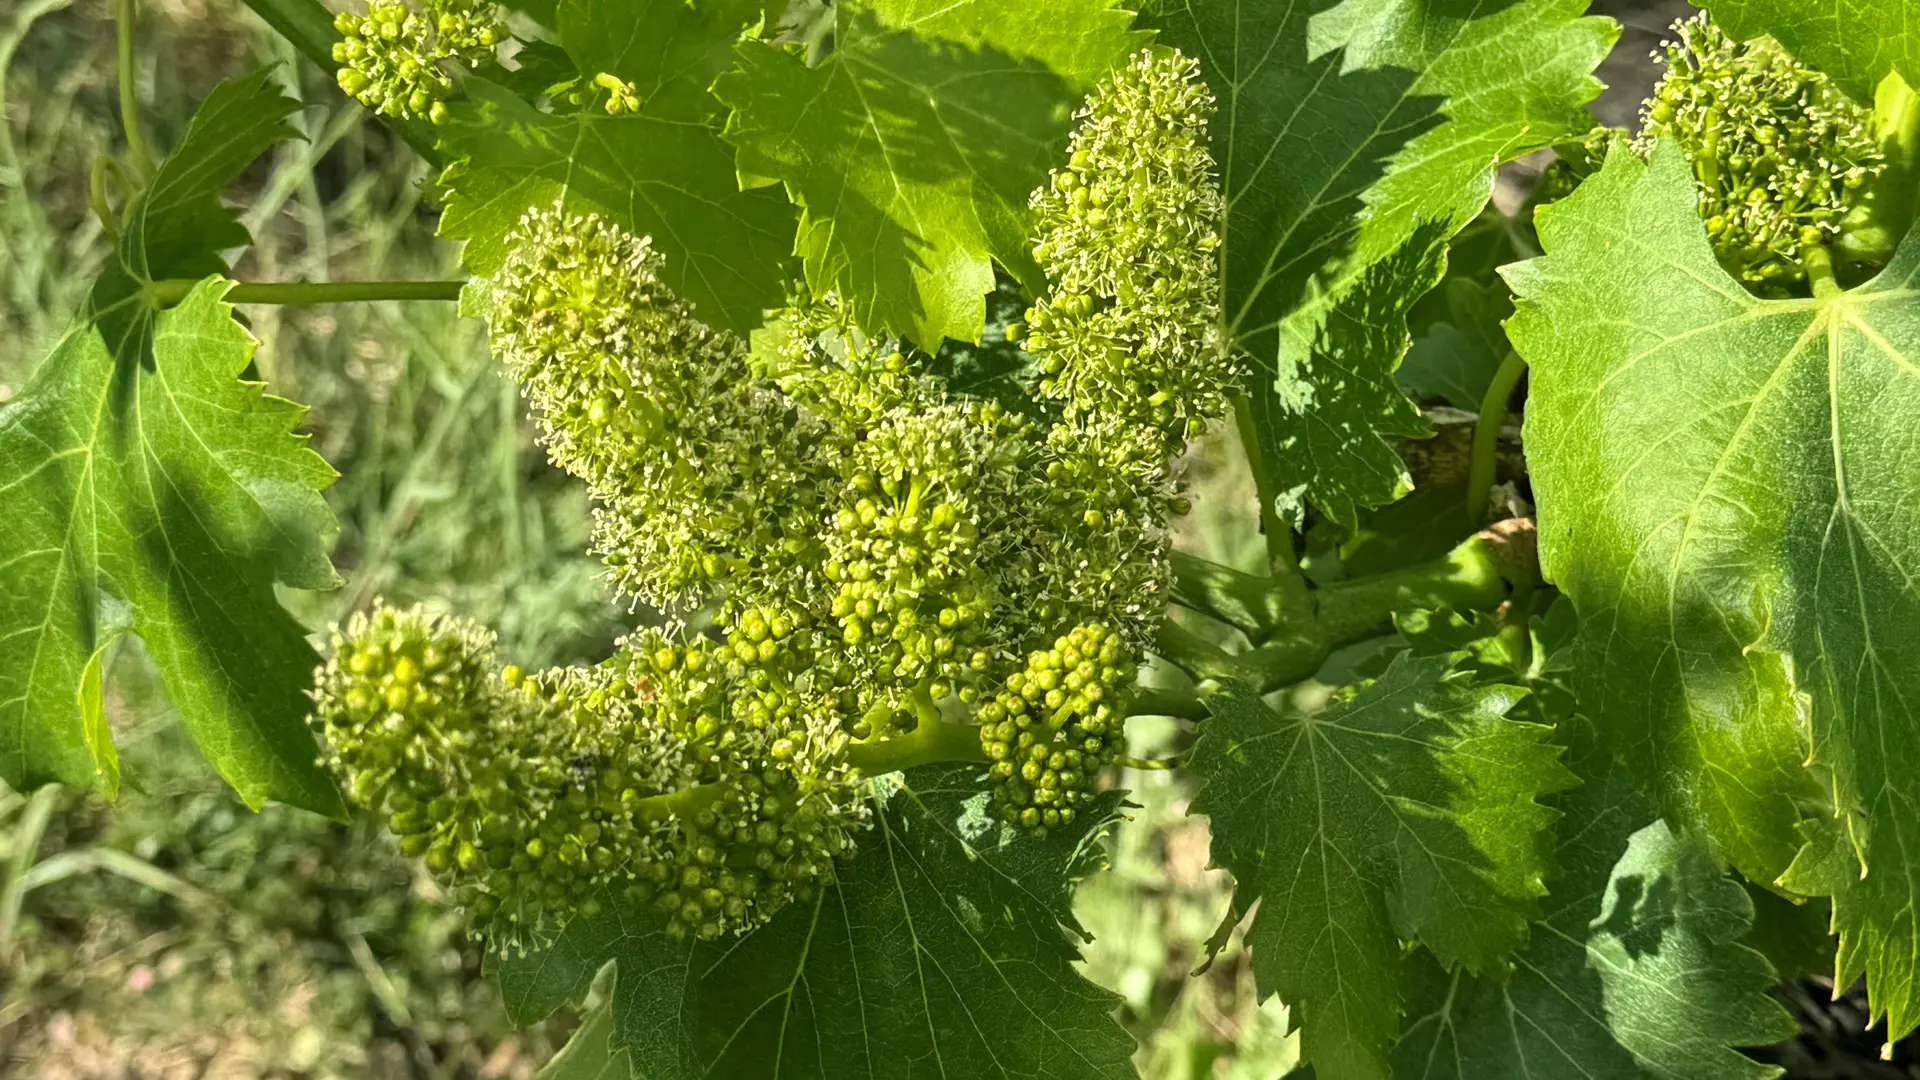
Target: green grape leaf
[(1725, 490), (1407, 813), (670, 50), (166, 502), (591, 1052), (1454, 357), (179, 227), (1636, 970), (1340, 133), (913, 147), (1857, 42), (942, 949), (1329, 444), (672, 180)]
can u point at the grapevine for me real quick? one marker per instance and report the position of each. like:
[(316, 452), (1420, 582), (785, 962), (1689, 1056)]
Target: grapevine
[(982, 408)]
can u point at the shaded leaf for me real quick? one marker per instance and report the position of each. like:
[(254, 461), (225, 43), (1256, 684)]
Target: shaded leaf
[(178, 228), (1407, 813), (1340, 133), (1454, 357), (942, 949), (1636, 969), (1329, 443), (168, 503), (913, 147), (726, 248), (670, 50)]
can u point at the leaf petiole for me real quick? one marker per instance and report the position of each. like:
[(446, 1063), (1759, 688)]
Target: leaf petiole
[(1486, 434), (138, 156), (164, 293)]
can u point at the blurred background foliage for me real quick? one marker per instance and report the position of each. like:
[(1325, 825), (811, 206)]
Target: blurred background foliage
[(176, 934)]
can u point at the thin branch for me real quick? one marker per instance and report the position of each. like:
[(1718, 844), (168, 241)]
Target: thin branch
[(163, 293)]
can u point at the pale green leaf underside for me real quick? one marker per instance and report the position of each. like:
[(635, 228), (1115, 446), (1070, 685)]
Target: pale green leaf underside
[(913, 147), (1855, 41), (726, 249), (1727, 490), (1339, 134), (942, 950), (590, 1053), (1405, 814), (167, 502)]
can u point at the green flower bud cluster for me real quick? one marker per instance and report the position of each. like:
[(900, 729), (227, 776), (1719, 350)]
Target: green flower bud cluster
[(1056, 725), (1779, 153), (1130, 239), (394, 59), (671, 775), (705, 478), (1100, 525), (911, 554), (818, 357)]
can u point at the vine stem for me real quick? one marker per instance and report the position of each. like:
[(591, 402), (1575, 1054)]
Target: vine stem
[(163, 293), (1281, 560), (1473, 576), (1819, 263), (138, 156), (930, 742), (1486, 435)]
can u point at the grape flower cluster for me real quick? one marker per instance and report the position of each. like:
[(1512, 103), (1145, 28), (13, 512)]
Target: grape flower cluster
[(884, 561), (1779, 153), (394, 59), (675, 775)]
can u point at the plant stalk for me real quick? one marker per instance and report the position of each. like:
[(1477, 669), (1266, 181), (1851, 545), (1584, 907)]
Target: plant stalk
[(1470, 577), (930, 742), (1281, 559), (1819, 263), (164, 293), (138, 156), (1486, 435)]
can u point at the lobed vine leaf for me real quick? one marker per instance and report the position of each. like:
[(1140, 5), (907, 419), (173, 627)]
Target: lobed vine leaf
[(942, 949), (1329, 443), (1340, 133), (178, 227), (668, 178), (1407, 813), (1857, 42), (1639, 919), (670, 50), (1454, 357), (912, 148), (150, 490), (1725, 489), (166, 502)]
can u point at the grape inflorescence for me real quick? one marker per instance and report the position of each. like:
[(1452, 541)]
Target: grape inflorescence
[(395, 59), (880, 558), (1779, 153)]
